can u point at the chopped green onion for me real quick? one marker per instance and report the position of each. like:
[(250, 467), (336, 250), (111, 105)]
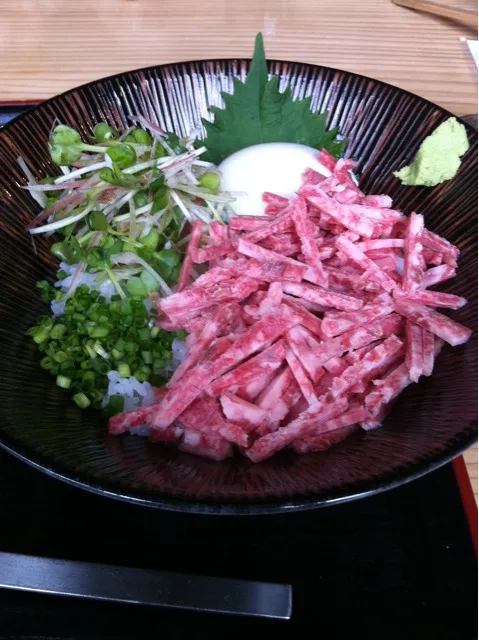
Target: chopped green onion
[(124, 370), (100, 350), (57, 331), (98, 332), (61, 357), (115, 405), (61, 275), (91, 352), (81, 400), (147, 357), (46, 363), (39, 335), (64, 382), (143, 334), (131, 347)]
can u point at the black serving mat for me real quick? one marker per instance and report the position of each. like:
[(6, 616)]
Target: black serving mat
[(398, 565)]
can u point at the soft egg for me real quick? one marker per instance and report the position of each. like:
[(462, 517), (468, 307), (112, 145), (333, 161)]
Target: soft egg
[(276, 167)]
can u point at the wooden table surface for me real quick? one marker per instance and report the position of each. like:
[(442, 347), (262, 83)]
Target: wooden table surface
[(47, 46)]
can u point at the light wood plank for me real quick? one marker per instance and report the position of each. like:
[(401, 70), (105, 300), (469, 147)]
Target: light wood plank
[(49, 46), (470, 458)]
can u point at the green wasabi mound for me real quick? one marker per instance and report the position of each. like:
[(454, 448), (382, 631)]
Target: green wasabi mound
[(438, 158)]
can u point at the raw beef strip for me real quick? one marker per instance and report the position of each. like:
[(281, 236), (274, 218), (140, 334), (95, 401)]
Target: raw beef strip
[(212, 253), (440, 245), (301, 377), (307, 319), (278, 225), (436, 299), (188, 259), (435, 275), (323, 410), (372, 362), (387, 388), (340, 323), (327, 433), (277, 399), (341, 213), (205, 446), (247, 223), (268, 360), (451, 332), (127, 420), (428, 351), (196, 380), (197, 350), (252, 390), (246, 413), (303, 352), (218, 232), (272, 300), (305, 230), (265, 255), (414, 350), (325, 440), (359, 257), (357, 338), (413, 260), (323, 296), (327, 160), (204, 416), (275, 200), (195, 299)]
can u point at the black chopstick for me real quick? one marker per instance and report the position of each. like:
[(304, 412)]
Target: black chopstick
[(145, 586)]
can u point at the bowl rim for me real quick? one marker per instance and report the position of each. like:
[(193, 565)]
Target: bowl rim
[(406, 474), (270, 62), (241, 507)]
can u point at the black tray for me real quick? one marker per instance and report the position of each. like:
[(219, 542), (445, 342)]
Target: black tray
[(398, 565)]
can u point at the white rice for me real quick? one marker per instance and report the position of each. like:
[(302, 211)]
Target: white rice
[(140, 394), (135, 394), (179, 351), (106, 288)]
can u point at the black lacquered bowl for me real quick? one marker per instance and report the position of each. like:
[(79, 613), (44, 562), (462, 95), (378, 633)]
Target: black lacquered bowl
[(432, 421)]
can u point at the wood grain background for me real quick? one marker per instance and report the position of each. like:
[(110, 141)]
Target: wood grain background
[(48, 46)]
